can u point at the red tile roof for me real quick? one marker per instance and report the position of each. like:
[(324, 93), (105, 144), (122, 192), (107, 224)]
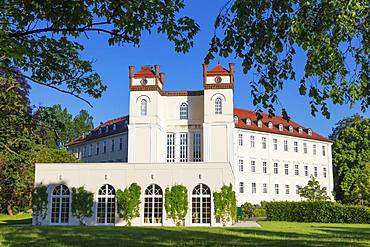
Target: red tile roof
[(110, 122), (276, 120), (145, 71), (218, 70)]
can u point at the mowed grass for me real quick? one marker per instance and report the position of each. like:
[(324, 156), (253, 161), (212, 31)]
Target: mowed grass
[(15, 219), (271, 234)]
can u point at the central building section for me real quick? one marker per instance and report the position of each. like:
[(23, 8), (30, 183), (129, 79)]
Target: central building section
[(180, 126)]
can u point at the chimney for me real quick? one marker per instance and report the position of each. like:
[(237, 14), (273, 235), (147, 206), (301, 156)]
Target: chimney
[(205, 68), (156, 70), (231, 68), (131, 70), (161, 77)]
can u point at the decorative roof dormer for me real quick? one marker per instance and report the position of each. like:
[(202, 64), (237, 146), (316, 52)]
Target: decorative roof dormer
[(218, 77), (146, 79)]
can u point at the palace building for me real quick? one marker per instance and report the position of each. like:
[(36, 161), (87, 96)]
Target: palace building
[(194, 138)]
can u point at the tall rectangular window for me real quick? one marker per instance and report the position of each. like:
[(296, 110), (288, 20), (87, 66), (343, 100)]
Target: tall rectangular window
[(120, 143), (264, 188), (85, 151), (305, 148), (97, 148), (264, 167), (323, 151), (241, 165), (91, 150), (241, 187), (252, 141), (276, 189), (286, 145), (314, 149), (104, 146), (297, 189), (296, 170), (276, 168), (306, 171), (197, 151), (170, 147), (112, 146), (275, 144), (324, 172), (315, 171), (296, 147), (254, 189), (253, 166), (183, 147), (264, 143), (287, 189), (286, 166), (240, 139)]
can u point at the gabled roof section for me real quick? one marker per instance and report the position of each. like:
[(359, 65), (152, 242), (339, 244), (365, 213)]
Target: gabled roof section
[(218, 70), (276, 121), (145, 71)]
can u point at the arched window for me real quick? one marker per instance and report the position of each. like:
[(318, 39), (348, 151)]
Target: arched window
[(236, 119), (201, 205), (143, 107), (184, 111), (153, 204), (259, 124), (281, 127), (300, 130), (270, 125), (60, 199), (218, 106), (309, 131), (290, 128), (106, 207), (248, 121)]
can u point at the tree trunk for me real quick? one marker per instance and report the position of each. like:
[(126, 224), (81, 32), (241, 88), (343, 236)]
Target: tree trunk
[(9, 210)]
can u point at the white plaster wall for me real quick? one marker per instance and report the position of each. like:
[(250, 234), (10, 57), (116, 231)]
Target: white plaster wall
[(271, 156), (121, 175)]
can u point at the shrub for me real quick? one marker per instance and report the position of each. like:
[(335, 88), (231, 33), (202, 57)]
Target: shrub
[(39, 203), (128, 202), (317, 211), (225, 204), (259, 212), (82, 203), (247, 210), (176, 203)]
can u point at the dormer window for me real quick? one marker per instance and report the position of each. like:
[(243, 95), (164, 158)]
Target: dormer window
[(106, 128), (300, 130), (259, 124), (290, 128), (270, 125), (281, 127), (236, 119), (309, 131), (248, 121), (114, 126), (100, 130)]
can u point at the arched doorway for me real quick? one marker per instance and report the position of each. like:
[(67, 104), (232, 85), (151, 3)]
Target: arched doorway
[(201, 205), (153, 205), (106, 206)]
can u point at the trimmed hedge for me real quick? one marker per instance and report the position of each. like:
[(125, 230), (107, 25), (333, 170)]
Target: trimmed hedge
[(259, 212), (317, 211)]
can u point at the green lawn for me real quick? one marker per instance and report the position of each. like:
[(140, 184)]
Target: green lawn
[(15, 219), (271, 234)]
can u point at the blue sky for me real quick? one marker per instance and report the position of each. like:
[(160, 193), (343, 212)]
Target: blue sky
[(182, 72)]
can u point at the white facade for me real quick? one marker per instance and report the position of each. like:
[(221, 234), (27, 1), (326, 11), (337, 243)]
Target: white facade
[(191, 138)]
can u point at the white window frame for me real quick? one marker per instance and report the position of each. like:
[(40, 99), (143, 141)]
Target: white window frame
[(170, 147), (218, 106), (197, 147), (184, 111), (143, 107), (184, 147)]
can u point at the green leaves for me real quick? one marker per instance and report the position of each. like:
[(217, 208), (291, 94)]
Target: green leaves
[(38, 37), (225, 204), (128, 203), (39, 203), (82, 204), (332, 35), (313, 191), (176, 203)]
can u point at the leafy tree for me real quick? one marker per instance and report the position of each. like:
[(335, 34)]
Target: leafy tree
[(82, 204), (313, 191), (128, 203), (57, 127), (225, 204), (333, 36), (176, 203), (39, 36), (351, 160), (17, 174), (343, 124), (39, 203)]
